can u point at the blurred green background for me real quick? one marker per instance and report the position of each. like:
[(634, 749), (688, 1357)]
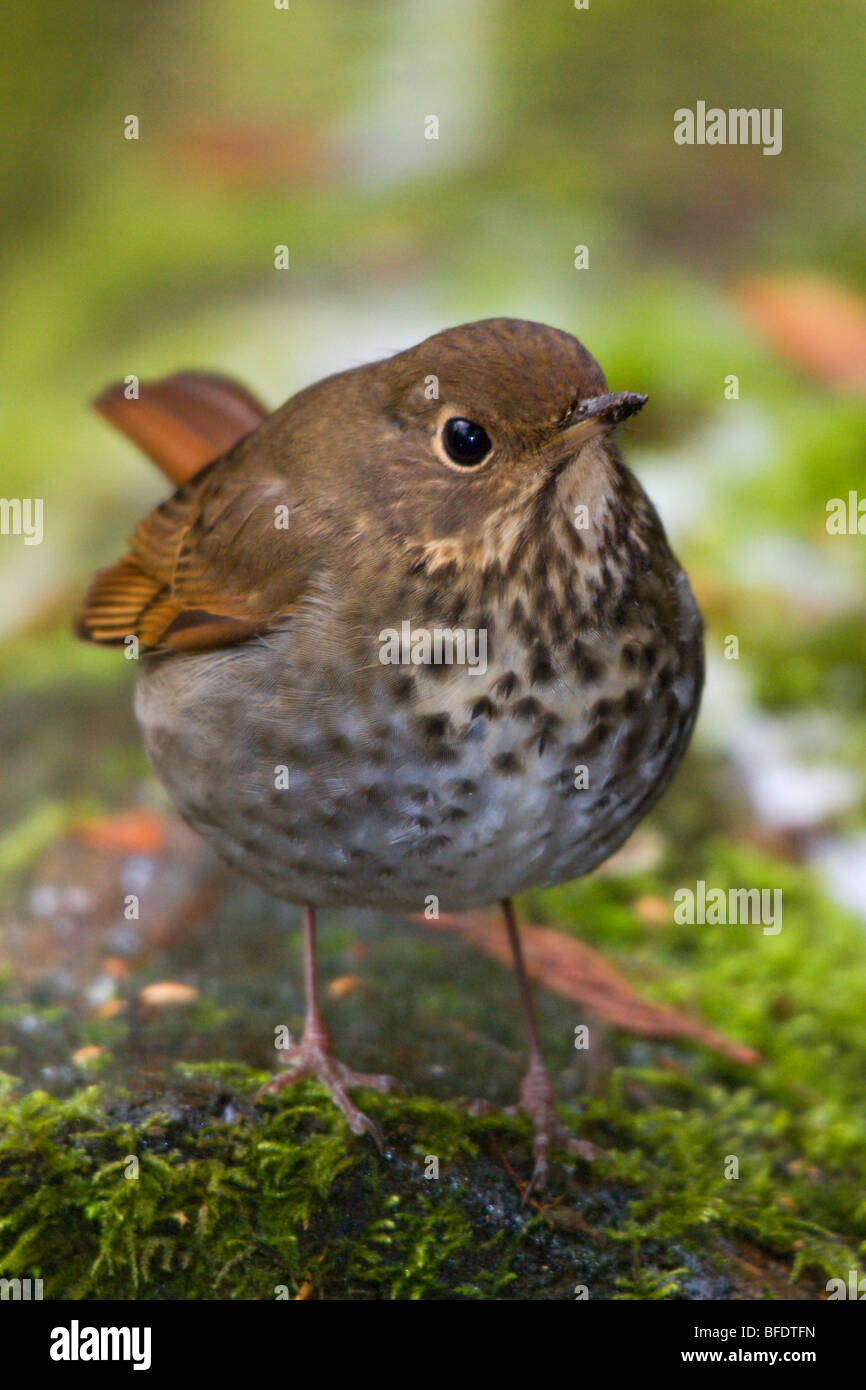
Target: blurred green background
[(306, 127)]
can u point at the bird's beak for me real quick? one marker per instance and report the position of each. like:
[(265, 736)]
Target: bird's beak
[(599, 414)]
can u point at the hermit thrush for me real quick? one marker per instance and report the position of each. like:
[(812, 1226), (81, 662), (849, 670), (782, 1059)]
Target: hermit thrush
[(415, 638)]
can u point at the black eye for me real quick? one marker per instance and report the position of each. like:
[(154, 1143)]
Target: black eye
[(465, 442)]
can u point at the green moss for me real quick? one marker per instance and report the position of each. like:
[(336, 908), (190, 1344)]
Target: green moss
[(796, 1123), (20, 845), (101, 1199), (196, 1191)]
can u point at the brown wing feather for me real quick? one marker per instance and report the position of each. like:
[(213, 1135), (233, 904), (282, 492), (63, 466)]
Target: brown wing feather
[(183, 421), (124, 600), (208, 567)]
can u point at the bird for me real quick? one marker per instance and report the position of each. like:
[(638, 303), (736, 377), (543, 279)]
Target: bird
[(415, 637)]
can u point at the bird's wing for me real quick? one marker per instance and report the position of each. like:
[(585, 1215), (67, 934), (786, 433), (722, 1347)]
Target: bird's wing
[(212, 565), (184, 421)]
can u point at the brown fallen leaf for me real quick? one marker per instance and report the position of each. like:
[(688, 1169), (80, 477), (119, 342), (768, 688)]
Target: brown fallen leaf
[(233, 155), (653, 910), (164, 992), (343, 986), (111, 1008), (813, 322), (115, 966), (132, 832), (81, 883), (577, 972)]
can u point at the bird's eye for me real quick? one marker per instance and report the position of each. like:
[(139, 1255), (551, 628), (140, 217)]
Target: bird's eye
[(465, 442)]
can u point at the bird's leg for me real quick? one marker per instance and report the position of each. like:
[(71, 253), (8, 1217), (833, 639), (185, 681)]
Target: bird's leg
[(314, 1054), (537, 1096)]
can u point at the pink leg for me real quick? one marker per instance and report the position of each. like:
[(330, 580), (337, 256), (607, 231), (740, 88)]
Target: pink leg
[(314, 1055), (537, 1096)]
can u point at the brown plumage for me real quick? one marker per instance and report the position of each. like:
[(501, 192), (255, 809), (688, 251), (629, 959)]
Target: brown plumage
[(184, 421), (469, 485)]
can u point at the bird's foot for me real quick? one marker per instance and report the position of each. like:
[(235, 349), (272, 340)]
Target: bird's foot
[(315, 1058), (537, 1100)]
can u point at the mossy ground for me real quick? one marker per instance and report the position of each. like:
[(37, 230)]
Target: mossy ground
[(236, 1199)]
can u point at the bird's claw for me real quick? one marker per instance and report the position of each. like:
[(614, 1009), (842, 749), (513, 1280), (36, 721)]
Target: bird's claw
[(307, 1059), (537, 1100)]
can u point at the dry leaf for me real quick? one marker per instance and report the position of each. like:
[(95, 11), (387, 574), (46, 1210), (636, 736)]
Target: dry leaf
[(232, 155), (133, 832), (574, 970), (343, 986), (167, 992), (813, 322), (85, 1055), (655, 911), (115, 966), (111, 1008)]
